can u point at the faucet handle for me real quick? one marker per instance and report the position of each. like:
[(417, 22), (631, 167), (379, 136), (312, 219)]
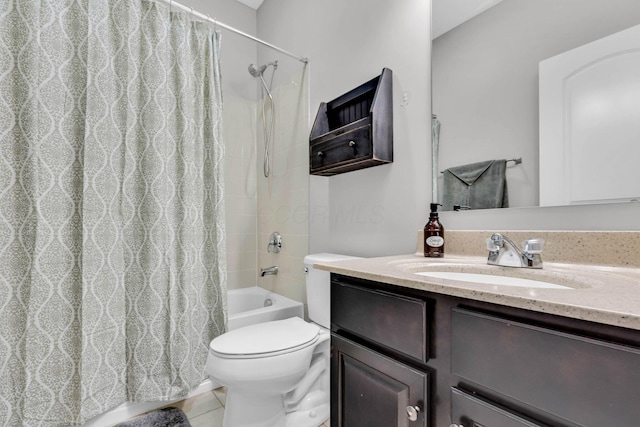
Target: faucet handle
[(491, 245), (497, 242), (533, 246)]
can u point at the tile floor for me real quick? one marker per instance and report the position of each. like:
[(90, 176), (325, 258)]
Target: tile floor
[(207, 409)]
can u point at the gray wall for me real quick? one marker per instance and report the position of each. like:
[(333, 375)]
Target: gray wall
[(374, 211)]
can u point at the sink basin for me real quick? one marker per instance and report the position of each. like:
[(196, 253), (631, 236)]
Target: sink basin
[(456, 271), (490, 279)]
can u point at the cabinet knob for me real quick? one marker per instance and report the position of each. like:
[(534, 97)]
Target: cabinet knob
[(320, 154), (352, 143), (412, 412)]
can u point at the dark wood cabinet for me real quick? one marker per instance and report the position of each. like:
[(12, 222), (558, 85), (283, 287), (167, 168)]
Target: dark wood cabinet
[(355, 130), (567, 376), (379, 347), (373, 390), (481, 364)]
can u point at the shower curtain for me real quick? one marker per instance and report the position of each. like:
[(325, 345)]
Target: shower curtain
[(112, 240)]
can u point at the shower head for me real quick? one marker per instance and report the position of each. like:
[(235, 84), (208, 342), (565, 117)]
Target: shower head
[(256, 71)]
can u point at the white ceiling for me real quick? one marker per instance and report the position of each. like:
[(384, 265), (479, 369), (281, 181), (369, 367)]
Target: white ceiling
[(448, 14), (254, 4)]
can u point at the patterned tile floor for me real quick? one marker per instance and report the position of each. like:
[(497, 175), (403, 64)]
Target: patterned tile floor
[(207, 409)]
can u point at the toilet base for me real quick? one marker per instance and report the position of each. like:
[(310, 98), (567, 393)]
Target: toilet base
[(312, 418), (268, 411), (253, 411)]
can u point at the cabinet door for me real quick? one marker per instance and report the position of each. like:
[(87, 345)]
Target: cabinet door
[(372, 390)]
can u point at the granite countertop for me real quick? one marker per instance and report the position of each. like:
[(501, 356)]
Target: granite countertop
[(603, 294)]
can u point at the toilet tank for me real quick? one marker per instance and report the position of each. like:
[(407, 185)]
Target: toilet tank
[(319, 287)]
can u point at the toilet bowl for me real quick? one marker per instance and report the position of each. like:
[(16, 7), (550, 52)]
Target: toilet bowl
[(277, 373)]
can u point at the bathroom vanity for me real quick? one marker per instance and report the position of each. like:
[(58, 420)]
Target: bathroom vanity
[(410, 350)]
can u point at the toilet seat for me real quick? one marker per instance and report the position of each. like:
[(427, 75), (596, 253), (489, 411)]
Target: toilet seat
[(266, 339)]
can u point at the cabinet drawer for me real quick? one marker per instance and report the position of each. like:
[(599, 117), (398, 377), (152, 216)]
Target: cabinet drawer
[(395, 322), (471, 411), (583, 380), (372, 390), (349, 147)]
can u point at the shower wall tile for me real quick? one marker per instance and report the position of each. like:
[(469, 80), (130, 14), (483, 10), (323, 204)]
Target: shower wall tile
[(242, 278), (240, 192), (238, 185), (294, 246), (297, 245), (283, 198), (289, 213), (242, 242), (290, 279), (241, 224), (241, 205), (239, 260), (291, 170)]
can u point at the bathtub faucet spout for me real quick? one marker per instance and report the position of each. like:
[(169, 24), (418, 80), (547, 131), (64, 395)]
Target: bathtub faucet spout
[(268, 271)]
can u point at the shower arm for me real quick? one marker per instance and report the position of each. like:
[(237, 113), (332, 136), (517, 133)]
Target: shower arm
[(264, 85)]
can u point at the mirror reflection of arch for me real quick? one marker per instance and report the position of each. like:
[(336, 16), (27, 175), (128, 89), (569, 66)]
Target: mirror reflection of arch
[(486, 91), (590, 122)]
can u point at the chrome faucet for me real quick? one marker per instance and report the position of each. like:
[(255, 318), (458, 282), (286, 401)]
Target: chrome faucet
[(503, 252), (268, 271)]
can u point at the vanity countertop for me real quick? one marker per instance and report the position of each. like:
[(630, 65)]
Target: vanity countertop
[(602, 294)]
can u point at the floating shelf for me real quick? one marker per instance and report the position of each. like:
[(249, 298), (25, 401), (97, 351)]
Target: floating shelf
[(355, 130)]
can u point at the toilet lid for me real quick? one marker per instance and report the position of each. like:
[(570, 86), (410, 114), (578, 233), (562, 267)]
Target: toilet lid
[(263, 339)]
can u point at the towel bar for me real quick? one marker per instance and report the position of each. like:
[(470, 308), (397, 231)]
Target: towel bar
[(516, 161)]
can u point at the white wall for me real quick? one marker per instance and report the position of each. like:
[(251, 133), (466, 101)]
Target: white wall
[(374, 211)]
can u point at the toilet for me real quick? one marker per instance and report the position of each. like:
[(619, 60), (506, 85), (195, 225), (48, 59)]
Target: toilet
[(277, 373)]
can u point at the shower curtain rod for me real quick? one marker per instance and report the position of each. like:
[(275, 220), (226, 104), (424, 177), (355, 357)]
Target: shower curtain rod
[(215, 22)]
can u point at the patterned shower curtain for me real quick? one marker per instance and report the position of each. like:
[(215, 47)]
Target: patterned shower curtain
[(112, 243)]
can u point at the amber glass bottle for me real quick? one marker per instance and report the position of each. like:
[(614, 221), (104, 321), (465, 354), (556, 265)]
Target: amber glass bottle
[(434, 234)]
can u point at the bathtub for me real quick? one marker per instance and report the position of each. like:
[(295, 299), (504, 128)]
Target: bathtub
[(245, 306)]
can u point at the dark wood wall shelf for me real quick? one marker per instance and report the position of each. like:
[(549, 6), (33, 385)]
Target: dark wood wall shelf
[(355, 130)]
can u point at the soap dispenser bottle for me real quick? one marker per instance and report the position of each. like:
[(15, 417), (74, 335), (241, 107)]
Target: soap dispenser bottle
[(434, 234)]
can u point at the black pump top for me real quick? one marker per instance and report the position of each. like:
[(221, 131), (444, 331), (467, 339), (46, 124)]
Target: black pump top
[(434, 209)]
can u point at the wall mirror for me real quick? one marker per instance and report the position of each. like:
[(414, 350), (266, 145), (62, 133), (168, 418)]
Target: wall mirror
[(485, 78)]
